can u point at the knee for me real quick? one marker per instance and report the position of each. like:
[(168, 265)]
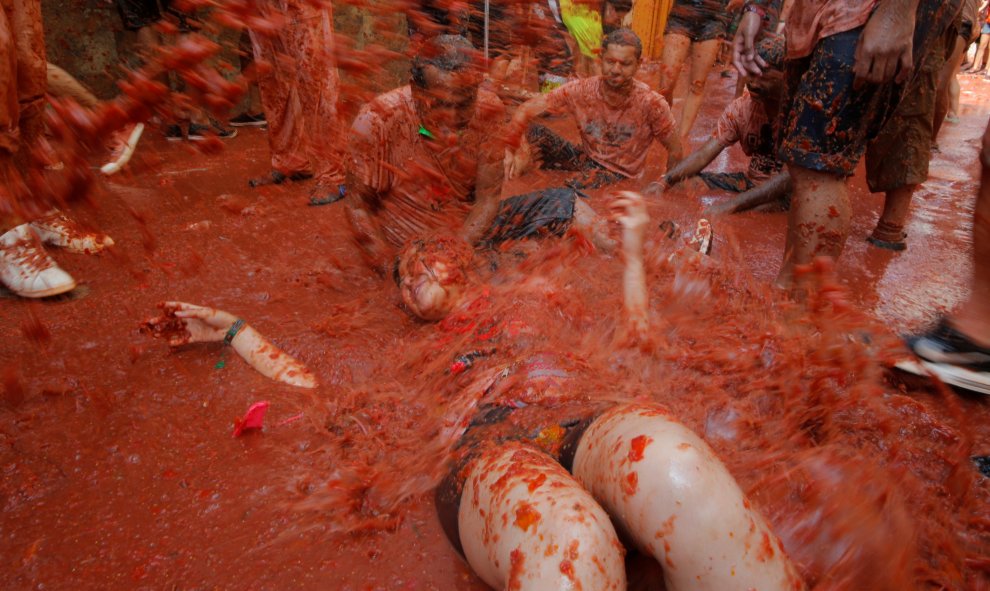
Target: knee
[(525, 523), (639, 457)]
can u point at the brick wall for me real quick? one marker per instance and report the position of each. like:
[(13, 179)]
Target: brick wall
[(87, 38)]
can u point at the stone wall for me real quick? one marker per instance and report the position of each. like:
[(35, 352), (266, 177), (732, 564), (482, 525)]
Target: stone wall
[(87, 39)]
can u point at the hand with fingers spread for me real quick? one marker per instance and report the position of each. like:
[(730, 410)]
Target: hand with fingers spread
[(744, 55), (885, 50)]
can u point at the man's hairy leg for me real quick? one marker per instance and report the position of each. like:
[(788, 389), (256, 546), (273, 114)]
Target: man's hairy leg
[(818, 223)]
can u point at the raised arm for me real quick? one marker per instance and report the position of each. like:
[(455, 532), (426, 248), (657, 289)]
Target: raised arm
[(744, 56), (695, 162), (629, 209), (184, 324)]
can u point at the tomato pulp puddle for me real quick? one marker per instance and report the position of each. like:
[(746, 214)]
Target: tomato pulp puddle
[(119, 469)]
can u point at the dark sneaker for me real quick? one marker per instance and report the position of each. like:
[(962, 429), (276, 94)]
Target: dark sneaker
[(173, 133), (201, 132), (248, 120), (950, 355), (277, 178), (325, 196)]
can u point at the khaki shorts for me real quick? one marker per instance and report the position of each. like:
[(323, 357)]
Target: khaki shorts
[(899, 155)]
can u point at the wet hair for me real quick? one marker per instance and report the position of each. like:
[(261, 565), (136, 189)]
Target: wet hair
[(454, 252), (448, 53), (624, 36)]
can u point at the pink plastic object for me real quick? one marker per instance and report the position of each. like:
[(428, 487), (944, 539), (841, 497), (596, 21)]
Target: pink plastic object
[(254, 418)]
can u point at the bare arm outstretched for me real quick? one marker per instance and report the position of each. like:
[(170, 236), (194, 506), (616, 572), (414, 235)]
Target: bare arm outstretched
[(184, 324), (695, 162), (773, 190)]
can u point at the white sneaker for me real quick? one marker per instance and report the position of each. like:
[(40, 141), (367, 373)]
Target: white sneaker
[(58, 230), (27, 270), (125, 141)]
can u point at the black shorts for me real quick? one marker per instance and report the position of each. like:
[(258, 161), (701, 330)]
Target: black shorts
[(556, 153), (555, 431), (734, 182), (547, 212), (138, 14), (698, 20), (621, 6)]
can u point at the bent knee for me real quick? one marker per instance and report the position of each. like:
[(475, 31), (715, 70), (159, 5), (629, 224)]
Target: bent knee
[(525, 523)]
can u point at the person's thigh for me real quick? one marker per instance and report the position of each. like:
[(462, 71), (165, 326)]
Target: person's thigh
[(826, 120), (669, 492), (29, 41), (526, 524)]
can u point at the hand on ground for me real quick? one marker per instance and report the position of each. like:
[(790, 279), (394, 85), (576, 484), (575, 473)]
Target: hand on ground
[(183, 323)]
